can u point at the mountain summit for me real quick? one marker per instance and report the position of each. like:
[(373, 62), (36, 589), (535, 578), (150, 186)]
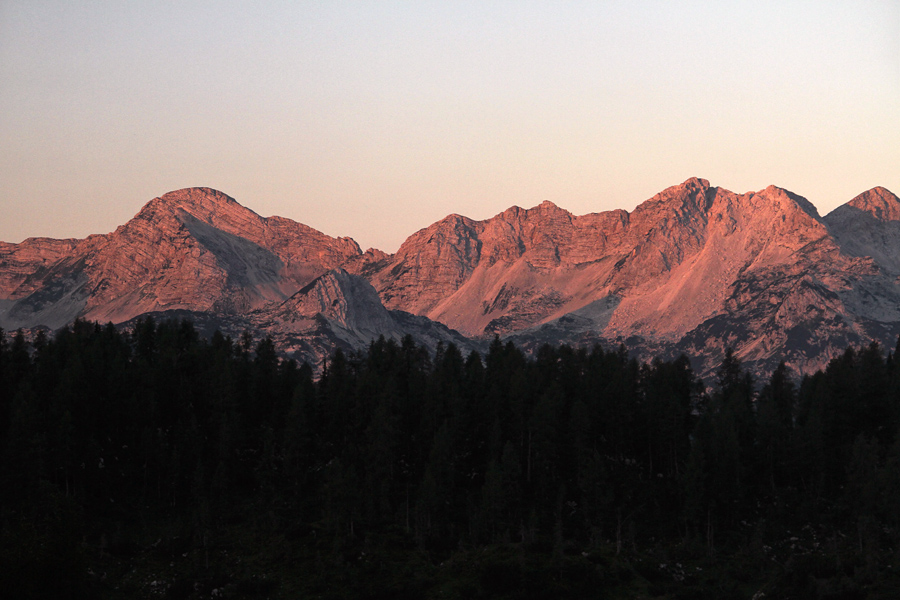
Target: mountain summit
[(696, 268), (879, 202), (195, 249)]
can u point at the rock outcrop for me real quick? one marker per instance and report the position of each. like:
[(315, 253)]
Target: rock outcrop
[(343, 310), (335, 310)]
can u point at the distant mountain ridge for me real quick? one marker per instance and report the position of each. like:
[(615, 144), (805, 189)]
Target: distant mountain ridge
[(694, 269)]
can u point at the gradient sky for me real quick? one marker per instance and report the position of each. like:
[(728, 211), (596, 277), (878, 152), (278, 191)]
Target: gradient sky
[(375, 119)]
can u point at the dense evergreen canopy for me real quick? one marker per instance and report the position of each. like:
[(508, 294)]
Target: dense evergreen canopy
[(213, 464)]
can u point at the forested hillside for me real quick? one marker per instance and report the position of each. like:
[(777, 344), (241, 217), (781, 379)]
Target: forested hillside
[(155, 463)]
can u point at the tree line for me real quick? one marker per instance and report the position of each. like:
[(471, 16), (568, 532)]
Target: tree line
[(571, 451)]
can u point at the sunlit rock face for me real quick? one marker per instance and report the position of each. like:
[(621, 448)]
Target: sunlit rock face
[(526, 267), (694, 269), (193, 249), (20, 263)]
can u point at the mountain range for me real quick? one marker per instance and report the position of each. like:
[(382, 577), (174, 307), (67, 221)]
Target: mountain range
[(695, 269)]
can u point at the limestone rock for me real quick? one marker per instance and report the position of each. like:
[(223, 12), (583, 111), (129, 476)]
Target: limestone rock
[(192, 249), (339, 309), (694, 269)]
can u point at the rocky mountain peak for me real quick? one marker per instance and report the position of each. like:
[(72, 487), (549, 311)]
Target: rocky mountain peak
[(692, 196), (201, 204), (691, 185), (543, 211), (878, 202), (547, 208), (695, 183), (787, 200), (448, 233), (869, 226), (200, 197), (549, 214)]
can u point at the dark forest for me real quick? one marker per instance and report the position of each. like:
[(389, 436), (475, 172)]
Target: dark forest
[(155, 463)]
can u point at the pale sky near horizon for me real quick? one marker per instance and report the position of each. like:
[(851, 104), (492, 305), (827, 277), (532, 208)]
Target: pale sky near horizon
[(375, 119)]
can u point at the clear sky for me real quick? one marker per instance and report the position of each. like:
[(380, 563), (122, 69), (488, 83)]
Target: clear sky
[(375, 119)]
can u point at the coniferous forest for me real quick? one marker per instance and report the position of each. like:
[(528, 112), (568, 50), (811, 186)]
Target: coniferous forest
[(157, 464)]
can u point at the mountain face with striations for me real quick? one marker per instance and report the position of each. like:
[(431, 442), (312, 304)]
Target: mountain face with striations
[(197, 253), (335, 310), (695, 269), (194, 249)]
